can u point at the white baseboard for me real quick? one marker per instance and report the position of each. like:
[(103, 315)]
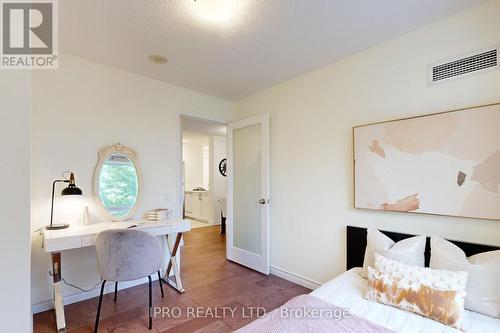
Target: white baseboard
[(302, 281), (81, 296), (110, 287)]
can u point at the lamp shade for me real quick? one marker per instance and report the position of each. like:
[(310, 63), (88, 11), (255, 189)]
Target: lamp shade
[(71, 189)]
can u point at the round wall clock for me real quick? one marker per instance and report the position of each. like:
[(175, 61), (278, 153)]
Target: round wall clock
[(222, 167)]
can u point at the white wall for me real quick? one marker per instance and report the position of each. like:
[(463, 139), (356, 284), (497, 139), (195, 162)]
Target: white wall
[(83, 106), (196, 166), (15, 287), (311, 140), (218, 144)]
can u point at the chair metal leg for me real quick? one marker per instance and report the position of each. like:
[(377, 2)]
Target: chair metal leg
[(116, 289), (161, 285), (150, 304), (96, 326)]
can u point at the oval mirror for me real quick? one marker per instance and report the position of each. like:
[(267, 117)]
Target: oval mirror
[(116, 182)]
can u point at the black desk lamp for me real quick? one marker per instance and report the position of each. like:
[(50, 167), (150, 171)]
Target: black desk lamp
[(70, 190)]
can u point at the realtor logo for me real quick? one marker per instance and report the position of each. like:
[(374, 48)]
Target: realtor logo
[(29, 35)]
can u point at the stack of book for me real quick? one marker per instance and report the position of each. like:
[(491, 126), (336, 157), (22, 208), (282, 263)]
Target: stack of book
[(160, 214)]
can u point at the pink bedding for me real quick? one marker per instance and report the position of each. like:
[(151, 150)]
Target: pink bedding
[(308, 314)]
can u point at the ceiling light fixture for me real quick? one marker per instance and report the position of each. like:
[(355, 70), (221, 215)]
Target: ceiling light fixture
[(216, 11), (158, 59)]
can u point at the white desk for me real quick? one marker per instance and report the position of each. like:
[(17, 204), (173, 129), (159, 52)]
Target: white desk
[(76, 237)]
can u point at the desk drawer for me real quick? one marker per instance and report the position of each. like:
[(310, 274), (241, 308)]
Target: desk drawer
[(61, 244), (88, 240), (158, 230)]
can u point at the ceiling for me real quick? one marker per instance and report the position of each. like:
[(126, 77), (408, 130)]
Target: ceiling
[(197, 139), (264, 43), (202, 127)]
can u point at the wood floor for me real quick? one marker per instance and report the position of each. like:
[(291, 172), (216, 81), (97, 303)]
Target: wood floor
[(212, 284)]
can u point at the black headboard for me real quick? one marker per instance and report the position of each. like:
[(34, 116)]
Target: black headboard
[(356, 244)]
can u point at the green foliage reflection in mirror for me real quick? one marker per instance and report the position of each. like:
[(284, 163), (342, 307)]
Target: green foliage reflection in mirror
[(118, 185)]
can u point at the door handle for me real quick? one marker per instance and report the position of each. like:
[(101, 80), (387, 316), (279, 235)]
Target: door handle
[(263, 201)]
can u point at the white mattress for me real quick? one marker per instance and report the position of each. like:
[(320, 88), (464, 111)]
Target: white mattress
[(347, 291)]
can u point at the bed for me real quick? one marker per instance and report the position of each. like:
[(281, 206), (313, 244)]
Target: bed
[(346, 292), (347, 289)]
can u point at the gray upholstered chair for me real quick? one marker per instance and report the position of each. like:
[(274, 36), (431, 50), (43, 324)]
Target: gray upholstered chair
[(125, 255)]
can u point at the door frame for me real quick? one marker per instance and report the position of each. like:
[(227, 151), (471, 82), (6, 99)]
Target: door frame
[(265, 194), (179, 153)]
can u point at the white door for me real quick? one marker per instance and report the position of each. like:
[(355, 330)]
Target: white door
[(248, 193)]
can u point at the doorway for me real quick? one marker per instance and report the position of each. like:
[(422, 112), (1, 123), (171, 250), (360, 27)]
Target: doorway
[(204, 182), (225, 174)]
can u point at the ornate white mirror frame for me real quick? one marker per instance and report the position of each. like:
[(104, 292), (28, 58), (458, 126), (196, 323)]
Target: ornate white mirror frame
[(104, 154)]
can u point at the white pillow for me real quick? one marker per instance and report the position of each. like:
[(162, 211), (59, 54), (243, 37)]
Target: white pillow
[(409, 251), (483, 286), (436, 294)]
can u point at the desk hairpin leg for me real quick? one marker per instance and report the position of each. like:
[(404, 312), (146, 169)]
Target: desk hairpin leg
[(177, 284), (58, 299)]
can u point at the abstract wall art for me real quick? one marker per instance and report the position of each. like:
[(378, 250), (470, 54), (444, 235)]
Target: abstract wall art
[(446, 163)]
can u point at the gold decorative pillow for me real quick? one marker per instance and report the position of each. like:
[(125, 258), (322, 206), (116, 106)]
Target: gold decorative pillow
[(436, 294)]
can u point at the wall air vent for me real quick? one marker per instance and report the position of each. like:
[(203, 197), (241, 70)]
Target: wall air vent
[(458, 68)]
